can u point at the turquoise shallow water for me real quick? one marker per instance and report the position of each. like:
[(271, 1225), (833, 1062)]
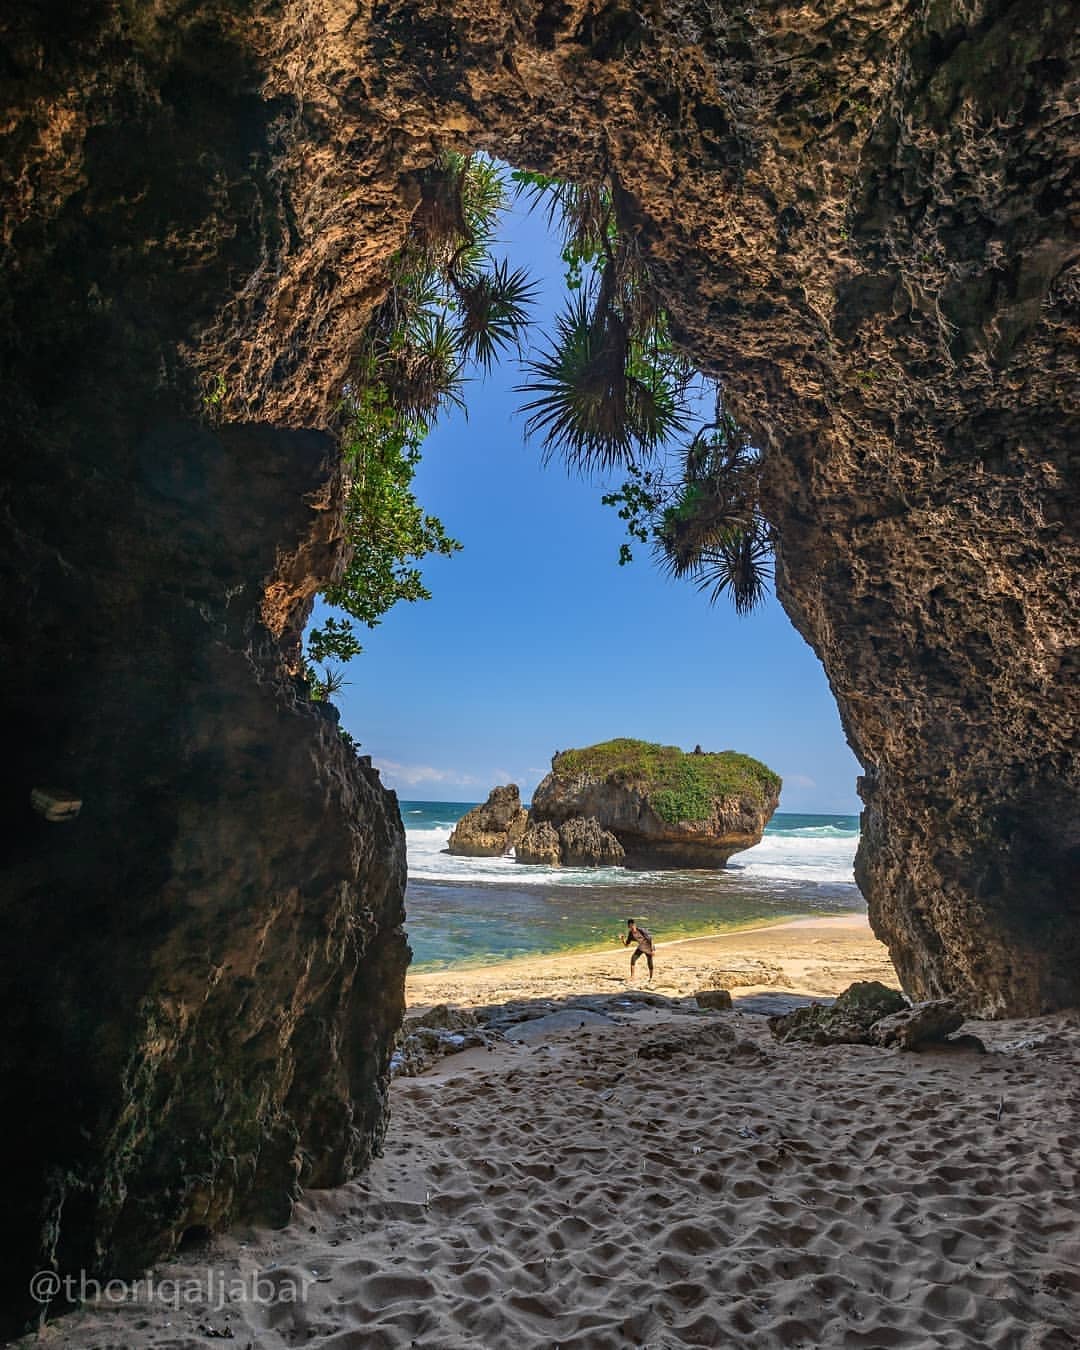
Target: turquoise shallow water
[(479, 910)]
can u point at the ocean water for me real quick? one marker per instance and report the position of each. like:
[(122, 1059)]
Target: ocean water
[(478, 910)]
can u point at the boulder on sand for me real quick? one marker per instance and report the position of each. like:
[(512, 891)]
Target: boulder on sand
[(847, 1021), (490, 830), (920, 1024), (716, 999)]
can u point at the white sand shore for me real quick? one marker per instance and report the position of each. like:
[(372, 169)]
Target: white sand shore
[(669, 1181), (811, 956)]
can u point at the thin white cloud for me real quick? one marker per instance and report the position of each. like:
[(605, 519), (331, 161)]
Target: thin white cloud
[(411, 775), (797, 780)]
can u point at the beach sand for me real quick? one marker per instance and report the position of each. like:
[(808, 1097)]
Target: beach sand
[(806, 956), (666, 1180)]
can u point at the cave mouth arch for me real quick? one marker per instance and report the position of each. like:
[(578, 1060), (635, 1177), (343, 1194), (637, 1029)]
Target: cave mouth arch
[(535, 604), (193, 199)]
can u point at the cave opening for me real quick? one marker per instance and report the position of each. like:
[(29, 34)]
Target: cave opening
[(512, 659), (478, 431), (865, 235)]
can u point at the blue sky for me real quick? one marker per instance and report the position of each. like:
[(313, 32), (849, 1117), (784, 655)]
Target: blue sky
[(536, 639)]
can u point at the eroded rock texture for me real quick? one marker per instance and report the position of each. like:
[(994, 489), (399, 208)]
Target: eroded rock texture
[(492, 828), (606, 818), (862, 215)]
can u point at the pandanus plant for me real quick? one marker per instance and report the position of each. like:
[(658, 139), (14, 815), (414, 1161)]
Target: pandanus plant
[(713, 530), (611, 391)]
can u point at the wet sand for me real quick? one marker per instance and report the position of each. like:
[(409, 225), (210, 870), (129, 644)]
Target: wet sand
[(805, 956)]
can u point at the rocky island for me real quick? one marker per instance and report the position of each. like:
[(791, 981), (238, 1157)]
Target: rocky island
[(491, 829), (645, 805)]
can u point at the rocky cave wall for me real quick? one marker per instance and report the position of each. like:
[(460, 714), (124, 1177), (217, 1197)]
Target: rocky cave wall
[(864, 218)]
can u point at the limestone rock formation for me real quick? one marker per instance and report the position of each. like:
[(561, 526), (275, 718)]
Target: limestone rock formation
[(210, 955), (666, 808), (862, 218), (846, 1021), (430, 1036), (540, 844), (920, 1024), (493, 828), (576, 843), (585, 843)]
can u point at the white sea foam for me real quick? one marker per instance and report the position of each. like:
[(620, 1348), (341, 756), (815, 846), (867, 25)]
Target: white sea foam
[(801, 855), (821, 855), (429, 861)]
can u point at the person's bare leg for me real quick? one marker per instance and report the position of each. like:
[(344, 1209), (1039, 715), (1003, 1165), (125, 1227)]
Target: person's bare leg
[(633, 959), (649, 959)]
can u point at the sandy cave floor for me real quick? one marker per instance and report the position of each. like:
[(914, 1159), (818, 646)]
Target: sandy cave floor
[(666, 1181)]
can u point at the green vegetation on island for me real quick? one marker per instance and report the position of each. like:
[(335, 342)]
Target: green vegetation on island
[(681, 786)]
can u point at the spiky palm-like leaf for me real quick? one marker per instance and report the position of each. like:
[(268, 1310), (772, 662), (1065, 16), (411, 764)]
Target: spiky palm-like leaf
[(422, 371), (461, 198), (739, 566), (582, 212), (595, 401), (483, 196), (493, 312)]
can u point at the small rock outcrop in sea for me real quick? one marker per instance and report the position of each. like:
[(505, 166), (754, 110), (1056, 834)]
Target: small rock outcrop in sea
[(576, 843), (663, 807), (492, 829), (540, 844)]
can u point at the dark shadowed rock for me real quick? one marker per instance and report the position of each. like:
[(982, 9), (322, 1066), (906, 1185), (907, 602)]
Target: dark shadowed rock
[(584, 843), (491, 829), (847, 1021), (428, 1037), (975, 1044), (717, 999), (540, 844), (922, 1022)]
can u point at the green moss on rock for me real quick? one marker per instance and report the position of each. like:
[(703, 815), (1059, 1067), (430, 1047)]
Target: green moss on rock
[(681, 786)]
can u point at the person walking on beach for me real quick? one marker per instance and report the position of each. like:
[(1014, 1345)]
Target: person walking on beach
[(643, 938)]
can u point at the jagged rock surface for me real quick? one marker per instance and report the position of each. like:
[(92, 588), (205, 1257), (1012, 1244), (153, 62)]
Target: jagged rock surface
[(576, 843), (493, 828), (862, 218), (585, 843), (848, 1020), (540, 844), (909, 1028)]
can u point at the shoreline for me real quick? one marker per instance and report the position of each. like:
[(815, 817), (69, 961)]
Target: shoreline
[(592, 948), (811, 956)]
